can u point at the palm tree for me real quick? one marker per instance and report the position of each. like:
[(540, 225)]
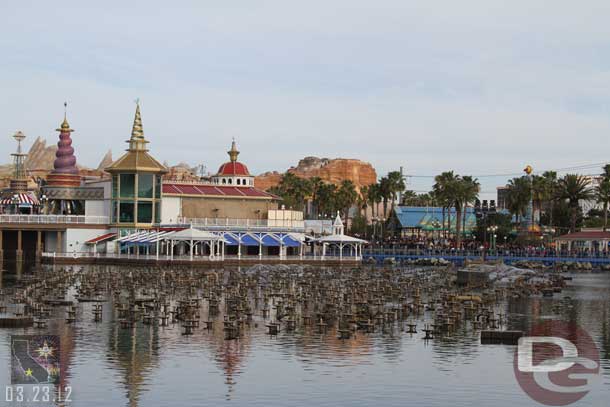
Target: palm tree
[(471, 189), (346, 197), (385, 193), (443, 189), (362, 200), (550, 183), (315, 184), (518, 196), (574, 188), (396, 186), (602, 195)]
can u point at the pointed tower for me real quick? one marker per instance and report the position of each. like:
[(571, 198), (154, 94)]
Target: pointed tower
[(338, 225), (233, 173), (19, 180), (136, 182), (65, 173)]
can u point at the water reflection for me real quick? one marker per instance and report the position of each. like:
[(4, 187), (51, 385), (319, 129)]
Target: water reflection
[(157, 365)]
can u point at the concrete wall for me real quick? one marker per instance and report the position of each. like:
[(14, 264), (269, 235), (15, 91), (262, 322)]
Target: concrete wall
[(235, 208), (97, 208), (170, 209), (75, 239)]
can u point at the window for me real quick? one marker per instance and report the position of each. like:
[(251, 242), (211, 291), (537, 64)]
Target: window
[(115, 186), (144, 212), (238, 182), (126, 209), (224, 181), (158, 186), (115, 209), (230, 181), (157, 212), (127, 185), (145, 185)]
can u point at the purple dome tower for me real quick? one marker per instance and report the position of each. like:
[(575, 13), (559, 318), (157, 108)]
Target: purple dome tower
[(65, 173)]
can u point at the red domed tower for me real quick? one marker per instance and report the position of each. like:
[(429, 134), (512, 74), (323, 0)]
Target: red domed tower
[(233, 173)]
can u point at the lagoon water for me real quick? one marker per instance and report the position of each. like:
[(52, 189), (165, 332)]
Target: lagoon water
[(106, 365)]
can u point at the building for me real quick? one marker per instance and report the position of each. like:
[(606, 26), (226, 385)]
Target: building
[(592, 241), (135, 212), (415, 221)]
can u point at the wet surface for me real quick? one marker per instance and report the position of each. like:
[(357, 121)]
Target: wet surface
[(152, 365)]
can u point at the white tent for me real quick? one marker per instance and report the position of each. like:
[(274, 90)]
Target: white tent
[(194, 236)]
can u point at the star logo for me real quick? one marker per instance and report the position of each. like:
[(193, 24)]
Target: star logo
[(45, 351), (28, 372)]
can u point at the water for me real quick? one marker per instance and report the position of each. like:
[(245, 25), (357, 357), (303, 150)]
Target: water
[(157, 366)]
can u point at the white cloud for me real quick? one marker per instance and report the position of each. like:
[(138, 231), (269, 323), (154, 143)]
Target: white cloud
[(478, 86)]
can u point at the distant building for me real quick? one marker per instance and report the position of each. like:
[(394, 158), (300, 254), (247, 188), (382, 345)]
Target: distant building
[(502, 198), (410, 221)]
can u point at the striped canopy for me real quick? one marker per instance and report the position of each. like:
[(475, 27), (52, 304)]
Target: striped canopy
[(23, 199)]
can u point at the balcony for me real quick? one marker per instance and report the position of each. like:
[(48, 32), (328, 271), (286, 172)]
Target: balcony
[(54, 219)]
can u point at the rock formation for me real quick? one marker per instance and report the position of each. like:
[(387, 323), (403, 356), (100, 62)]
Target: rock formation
[(330, 170), (106, 161), (40, 156)]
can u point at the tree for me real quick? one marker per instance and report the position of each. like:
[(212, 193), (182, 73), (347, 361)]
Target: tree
[(470, 192), (573, 189), (346, 197), (518, 196), (444, 190), (602, 195), (396, 184), (315, 184)]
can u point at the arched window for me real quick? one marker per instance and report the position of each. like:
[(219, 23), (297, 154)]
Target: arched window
[(224, 181), (238, 181), (230, 181)]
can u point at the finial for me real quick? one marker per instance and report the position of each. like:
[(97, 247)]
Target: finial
[(65, 127), (233, 152), (137, 131)]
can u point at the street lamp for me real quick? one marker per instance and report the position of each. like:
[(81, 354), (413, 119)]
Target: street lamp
[(482, 211), (43, 201), (492, 230)]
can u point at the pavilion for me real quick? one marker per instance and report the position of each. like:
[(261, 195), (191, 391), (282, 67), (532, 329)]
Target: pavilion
[(339, 240), (591, 240)]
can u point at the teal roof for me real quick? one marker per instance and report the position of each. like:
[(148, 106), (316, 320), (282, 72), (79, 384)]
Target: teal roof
[(421, 217)]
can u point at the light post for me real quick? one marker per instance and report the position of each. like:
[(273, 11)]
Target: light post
[(43, 201), (15, 203), (492, 234)]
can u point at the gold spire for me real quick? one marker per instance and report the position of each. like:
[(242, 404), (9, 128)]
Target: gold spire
[(65, 127), (137, 131), (137, 141), (233, 152)]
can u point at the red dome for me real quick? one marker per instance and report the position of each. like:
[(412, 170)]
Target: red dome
[(233, 168)]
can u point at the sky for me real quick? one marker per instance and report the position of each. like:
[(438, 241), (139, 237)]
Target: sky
[(480, 87)]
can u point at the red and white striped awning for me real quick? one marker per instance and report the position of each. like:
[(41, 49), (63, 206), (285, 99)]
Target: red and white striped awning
[(101, 238), (26, 198)]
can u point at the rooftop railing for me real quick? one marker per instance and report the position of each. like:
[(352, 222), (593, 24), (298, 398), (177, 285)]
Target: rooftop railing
[(55, 219), (248, 224)]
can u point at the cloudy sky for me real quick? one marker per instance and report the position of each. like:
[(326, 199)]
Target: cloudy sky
[(482, 87)]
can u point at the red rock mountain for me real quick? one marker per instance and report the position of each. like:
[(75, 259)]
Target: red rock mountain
[(330, 170)]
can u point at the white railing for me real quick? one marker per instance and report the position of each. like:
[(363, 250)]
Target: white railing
[(213, 223), (55, 219), (164, 257)]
